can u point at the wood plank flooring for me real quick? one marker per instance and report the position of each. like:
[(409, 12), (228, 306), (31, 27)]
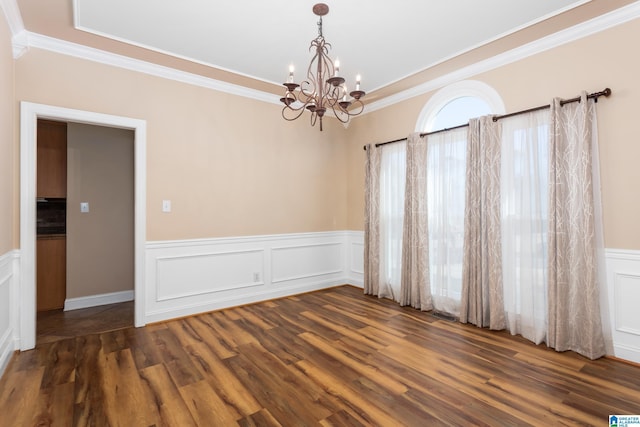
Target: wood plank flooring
[(55, 325), (329, 358)]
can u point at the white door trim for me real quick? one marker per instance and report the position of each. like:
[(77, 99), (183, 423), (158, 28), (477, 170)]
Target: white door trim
[(29, 114)]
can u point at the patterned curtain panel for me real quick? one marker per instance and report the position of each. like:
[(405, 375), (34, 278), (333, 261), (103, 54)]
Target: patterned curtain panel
[(372, 221), (415, 289), (482, 294), (574, 311)]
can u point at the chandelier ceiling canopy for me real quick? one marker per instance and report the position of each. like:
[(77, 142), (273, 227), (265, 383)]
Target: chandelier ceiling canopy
[(323, 90)]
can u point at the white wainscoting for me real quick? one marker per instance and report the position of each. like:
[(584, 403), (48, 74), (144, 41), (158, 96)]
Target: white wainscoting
[(8, 307), (623, 285), (193, 276), (355, 258)]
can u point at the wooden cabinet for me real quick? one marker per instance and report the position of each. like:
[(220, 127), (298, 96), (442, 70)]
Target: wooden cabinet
[(52, 159), (51, 268)]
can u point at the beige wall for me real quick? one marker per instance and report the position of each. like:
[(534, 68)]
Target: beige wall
[(100, 242), (231, 166), (593, 63), (6, 139)]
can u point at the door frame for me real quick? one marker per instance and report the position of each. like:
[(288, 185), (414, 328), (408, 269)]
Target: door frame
[(29, 115)]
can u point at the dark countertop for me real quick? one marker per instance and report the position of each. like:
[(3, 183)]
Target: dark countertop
[(51, 236)]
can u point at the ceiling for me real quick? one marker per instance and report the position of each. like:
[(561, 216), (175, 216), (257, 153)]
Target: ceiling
[(381, 40), (395, 46)]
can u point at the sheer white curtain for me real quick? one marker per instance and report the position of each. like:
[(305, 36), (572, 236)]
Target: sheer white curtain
[(391, 205), (446, 165), (524, 206)]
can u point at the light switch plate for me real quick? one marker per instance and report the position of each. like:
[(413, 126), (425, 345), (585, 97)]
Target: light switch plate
[(84, 207), (166, 206)]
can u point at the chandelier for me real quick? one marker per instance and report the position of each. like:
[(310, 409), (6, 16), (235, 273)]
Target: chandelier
[(323, 88)]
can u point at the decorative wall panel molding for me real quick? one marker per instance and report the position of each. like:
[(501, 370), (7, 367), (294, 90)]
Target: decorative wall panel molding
[(290, 263), (8, 307), (623, 294), (205, 272), (193, 276), (355, 260)]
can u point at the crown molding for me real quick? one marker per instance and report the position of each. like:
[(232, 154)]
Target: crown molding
[(96, 55), (23, 40), (20, 43), (13, 16), (16, 26), (579, 31)]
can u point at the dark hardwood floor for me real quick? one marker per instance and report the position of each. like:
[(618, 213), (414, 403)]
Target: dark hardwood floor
[(331, 358), (56, 325)]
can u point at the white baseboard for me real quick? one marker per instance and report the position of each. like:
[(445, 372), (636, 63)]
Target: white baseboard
[(206, 305), (625, 352), (97, 300)]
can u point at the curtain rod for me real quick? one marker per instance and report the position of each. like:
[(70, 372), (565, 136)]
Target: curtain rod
[(594, 95)]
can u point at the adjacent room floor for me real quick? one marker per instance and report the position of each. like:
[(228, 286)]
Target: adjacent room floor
[(57, 325)]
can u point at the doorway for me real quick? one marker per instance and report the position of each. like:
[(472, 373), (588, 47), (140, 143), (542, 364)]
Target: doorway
[(78, 288), (30, 113)]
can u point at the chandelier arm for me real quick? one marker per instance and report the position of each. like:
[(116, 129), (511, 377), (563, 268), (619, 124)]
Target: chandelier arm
[(309, 98), (360, 105), (344, 115), (340, 115), (359, 108), (308, 93), (299, 112), (332, 102)]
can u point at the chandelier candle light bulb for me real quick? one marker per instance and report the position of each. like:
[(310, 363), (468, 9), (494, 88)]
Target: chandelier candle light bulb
[(291, 73), (321, 91)]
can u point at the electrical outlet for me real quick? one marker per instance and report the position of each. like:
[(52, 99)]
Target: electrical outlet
[(256, 277)]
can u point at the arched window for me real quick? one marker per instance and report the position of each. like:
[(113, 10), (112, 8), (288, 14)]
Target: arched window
[(450, 107), (455, 104)]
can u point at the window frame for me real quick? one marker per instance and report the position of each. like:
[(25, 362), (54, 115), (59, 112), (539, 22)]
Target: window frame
[(449, 93)]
